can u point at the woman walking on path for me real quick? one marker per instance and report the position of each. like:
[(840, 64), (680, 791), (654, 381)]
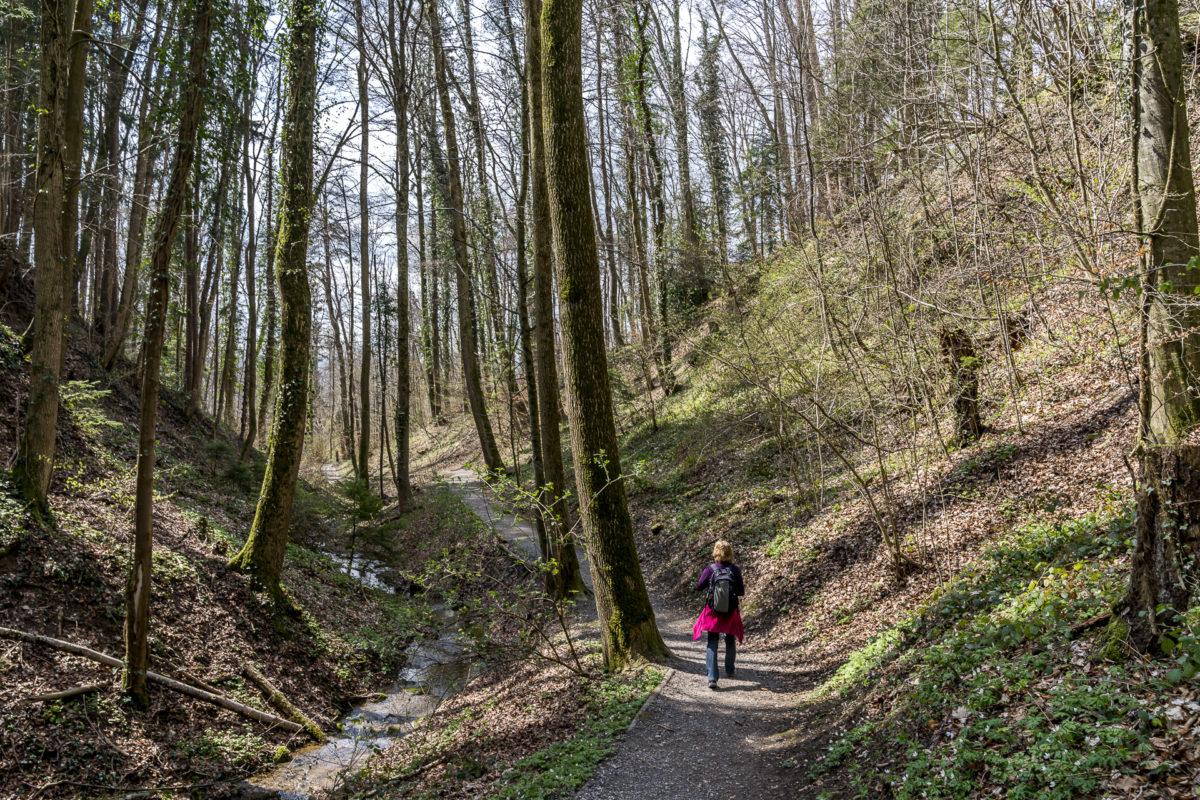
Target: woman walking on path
[(722, 579)]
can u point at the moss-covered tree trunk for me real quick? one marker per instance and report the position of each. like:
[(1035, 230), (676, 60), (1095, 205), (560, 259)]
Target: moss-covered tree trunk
[(137, 587), (554, 481), (958, 351), (628, 629), (35, 456), (452, 187), (263, 553), (1168, 526)]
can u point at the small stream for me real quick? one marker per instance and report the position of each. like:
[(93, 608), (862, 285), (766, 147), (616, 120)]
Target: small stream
[(433, 670)]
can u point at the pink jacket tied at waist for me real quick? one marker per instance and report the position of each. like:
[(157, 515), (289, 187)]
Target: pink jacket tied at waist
[(710, 620)]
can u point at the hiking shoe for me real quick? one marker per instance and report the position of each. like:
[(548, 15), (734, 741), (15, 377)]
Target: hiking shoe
[(729, 673), (712, 684)]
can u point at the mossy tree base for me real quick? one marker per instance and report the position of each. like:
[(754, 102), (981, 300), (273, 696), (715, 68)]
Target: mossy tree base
[(1165, 559)]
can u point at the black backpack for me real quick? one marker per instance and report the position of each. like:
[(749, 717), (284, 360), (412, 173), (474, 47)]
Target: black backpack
[(721, 598)]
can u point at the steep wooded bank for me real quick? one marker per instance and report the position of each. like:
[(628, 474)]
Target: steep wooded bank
[(902, 297), (65, 579), (919, 432)]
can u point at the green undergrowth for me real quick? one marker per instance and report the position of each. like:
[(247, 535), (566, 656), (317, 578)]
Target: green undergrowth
[(563, 767), (983, 690)]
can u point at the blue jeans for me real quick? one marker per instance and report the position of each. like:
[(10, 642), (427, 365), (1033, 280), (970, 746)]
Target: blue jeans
[(714, 640)]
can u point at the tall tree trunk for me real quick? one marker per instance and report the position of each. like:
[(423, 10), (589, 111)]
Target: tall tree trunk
[(1164, 561), (250, 372), (655, 169), (428, 320), (526, 329), (628, 629), (364, 244), (272, 304), (437, 331), (35, 457), (137, 588), (229, 360), (76, 83), (213, 267), (400, 96), (553, 489), (264, 550), (691, 258), (452, 188), (339, 352), (614, 277), (143, 178), (110, 146)]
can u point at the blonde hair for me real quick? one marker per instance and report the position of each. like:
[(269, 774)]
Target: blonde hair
[(723, 552)]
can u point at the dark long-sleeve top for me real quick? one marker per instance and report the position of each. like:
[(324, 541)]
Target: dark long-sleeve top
[(739, 588)]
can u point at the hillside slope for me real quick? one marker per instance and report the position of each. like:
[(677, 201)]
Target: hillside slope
[(943, 598), (65, 579)]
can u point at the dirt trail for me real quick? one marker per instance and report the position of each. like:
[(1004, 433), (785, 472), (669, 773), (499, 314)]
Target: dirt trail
[(700, 744), (691, 742)]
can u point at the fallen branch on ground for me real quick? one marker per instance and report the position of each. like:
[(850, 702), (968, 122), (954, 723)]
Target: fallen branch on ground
[(280, 701), (154, 677), (74, 691), (1090, 624)]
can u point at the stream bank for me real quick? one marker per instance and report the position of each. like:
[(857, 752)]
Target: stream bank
[(435, 668)]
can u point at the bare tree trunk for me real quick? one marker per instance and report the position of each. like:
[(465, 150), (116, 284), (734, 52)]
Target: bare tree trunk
[(35, 457), (80, 37), (553, 489), (628, 629), (691, 259), (229, 360), (143, 178), (250, 372), (614, 277), (137, 589), (452, 188), (364, 243), (339, 352), (1163, 568), (400, 98), (646, 116), (958, 351), (272, 303), (428, 305)]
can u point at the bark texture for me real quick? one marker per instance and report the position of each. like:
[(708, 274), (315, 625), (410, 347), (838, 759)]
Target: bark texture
[(452, 188), (137, 588), (628, 629), (1164, 563), (263, 553), (553, 485), (958, 350), (35, 456)]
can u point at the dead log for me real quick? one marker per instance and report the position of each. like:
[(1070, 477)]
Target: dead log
[(162, 680), (198, 682), (1097, 621), (74, 691), (280, 701)]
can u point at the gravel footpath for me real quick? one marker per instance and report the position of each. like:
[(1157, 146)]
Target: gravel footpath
[(695, 743), (691, 742)]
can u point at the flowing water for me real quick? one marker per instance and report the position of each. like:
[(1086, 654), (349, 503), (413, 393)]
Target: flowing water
[(433, 670)]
